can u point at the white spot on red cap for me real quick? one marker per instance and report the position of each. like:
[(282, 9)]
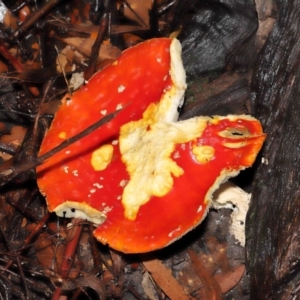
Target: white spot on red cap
[(176, 155), (98, 185), (103, 112), (121, 88), (119, 106), (115, 142), (172, 232), (123, 183), (199, 208), (68, 101), (107, 209)]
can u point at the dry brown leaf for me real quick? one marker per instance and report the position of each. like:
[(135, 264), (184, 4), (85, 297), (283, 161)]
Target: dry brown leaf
[(229, 280), (50, 107), (165, 280), (64, 60), (84, 46), (211, 287), (48, 253), (86, 281), (131, 39), (3, 67), (10, 21), (215, 257), (15, 137), (93, 30), (24, 13), (60, 230)]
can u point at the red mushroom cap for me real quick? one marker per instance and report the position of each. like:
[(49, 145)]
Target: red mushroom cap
[(143, 178)]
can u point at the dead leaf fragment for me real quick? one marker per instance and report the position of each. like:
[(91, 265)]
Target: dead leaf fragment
[(15, 137), (84, 46), (86, 281), (211, 287), (64, 60), (164, 279), (49, 253), (229, 280)]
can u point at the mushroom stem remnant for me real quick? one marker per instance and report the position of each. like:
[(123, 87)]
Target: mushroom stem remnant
[(142, 166)]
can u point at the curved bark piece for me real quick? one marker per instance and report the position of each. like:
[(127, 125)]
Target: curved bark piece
[(273, 220)]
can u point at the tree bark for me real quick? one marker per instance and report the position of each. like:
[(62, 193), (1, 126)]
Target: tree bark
[(273, 240)]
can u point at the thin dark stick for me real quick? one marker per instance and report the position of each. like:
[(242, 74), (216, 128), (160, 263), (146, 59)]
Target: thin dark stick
[(35, 17), (134, 12), (68, 257), (96, 47), (94, 249), (15, 171), (10, 248), (75, 138), (9, 149), (9, 57), (17, 66)]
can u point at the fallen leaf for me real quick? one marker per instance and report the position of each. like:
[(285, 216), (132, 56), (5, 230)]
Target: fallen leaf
[(84, 46), (15, 137), (165, 280), (211, 287), (48, 252), (229, 280), (86, 281), (64, 60)]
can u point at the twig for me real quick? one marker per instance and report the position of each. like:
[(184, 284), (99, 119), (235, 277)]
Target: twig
[(30, 237), (91, 69), (94, 249), (9, 57), (17, 66), (36, 230), (10, 248), (164, 279), (134, 12), (211, 287), (69, 254), (35, 17), (9, 149), (17, 170), (13, 289)]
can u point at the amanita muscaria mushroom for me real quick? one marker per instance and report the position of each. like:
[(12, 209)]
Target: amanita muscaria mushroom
[(143, 179)]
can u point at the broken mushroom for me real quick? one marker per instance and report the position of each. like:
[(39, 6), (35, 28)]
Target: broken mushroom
[(143, 178)]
